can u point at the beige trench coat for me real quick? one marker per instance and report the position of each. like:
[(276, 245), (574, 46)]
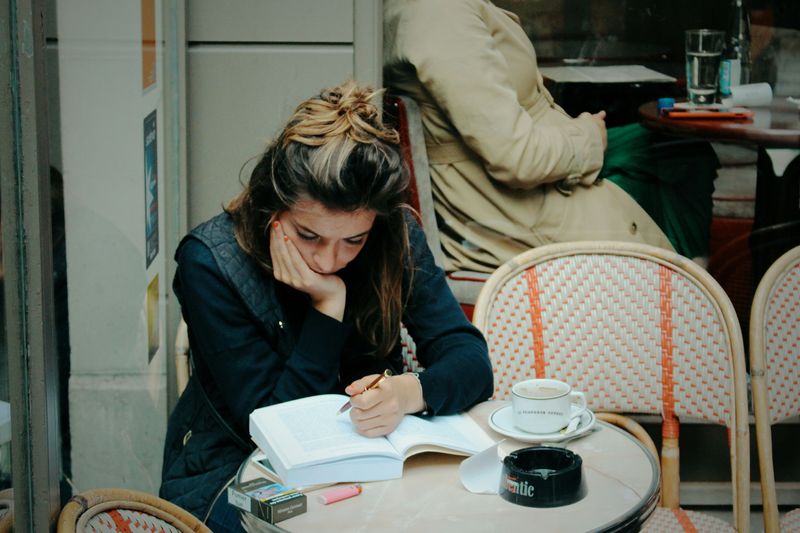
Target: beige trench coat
[(510, 169)]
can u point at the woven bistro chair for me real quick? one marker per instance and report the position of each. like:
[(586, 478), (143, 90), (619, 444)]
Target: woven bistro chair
[(638, 330), (409, 352), (775, 371), (123, 510)]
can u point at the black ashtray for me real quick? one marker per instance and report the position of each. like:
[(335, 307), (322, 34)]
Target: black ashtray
[(542, 476)]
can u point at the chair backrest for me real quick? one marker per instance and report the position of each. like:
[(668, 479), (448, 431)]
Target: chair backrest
[(108, 510), (403, 112), (746, 258), (637, 328), (775, 364), (409, 350)]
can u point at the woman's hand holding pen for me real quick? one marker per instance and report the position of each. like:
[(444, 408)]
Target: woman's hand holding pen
[(378, 411), (328, 292)]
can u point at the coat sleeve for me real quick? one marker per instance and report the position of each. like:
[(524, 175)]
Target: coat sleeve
[(242, 367), (456, 60), (457, 373)]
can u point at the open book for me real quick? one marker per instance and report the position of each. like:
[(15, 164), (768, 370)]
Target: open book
[(307, 443)]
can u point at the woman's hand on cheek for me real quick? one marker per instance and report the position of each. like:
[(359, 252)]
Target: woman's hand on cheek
[(328, 292), (378, 411)]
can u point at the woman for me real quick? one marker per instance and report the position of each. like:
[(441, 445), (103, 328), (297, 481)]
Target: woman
[(299, 288), (510, 169)]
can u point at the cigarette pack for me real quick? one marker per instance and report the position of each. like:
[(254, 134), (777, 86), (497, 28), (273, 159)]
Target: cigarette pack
[(267, 500)]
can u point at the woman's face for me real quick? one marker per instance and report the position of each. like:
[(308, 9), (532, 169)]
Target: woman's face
[(326, 239)]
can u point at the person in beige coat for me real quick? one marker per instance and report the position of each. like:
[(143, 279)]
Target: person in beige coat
[(510, 169)]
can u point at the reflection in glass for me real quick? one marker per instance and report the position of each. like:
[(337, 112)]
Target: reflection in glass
[(62, 333), (62, 324), (650, 32), (6, 499)]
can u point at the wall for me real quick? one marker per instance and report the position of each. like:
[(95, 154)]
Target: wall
[(249, 65)]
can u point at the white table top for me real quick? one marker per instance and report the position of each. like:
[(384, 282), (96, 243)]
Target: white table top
[(622, 481)]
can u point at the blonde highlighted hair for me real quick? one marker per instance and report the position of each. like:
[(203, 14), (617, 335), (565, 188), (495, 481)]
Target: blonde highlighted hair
[(336, 150)]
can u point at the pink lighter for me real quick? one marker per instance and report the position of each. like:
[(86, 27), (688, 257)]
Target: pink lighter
[(339, 493)]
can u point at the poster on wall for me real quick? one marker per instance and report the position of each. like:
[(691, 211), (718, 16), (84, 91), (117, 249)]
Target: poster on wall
[(152, 318), (150, 188), (148, 43)]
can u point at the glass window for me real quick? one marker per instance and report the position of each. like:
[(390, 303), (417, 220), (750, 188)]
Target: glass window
[(650, 32), (111, 103), (6, 499)]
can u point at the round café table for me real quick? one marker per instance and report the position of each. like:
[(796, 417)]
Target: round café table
[(622, 480)]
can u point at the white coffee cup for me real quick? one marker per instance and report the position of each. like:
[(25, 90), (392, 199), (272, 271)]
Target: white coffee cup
[(545, 405)]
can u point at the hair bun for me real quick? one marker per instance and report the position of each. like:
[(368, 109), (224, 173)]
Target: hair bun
[(352, 99), (346, 109)]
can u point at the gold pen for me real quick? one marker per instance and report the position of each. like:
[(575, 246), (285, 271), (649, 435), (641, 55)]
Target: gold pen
[(377, 381)]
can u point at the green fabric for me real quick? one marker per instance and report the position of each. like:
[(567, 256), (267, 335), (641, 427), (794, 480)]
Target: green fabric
[(672, 179)]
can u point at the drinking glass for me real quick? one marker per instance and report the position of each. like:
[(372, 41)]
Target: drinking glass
[(703, 54)]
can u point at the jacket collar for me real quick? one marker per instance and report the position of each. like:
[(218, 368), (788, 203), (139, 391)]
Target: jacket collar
[(254, 286)]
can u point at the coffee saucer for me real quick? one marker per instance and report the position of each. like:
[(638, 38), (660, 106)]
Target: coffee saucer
[(500, 421)]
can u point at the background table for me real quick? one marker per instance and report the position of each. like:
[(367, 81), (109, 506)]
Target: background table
[(776, 126), (775, 130), (620, 100), (622, 480)]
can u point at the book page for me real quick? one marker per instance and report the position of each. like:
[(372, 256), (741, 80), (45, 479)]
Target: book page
[(309, 431), (264, 467), (261, 463), (451, 433)]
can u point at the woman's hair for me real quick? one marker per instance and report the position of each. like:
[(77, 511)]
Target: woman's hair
[(336, 150)]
